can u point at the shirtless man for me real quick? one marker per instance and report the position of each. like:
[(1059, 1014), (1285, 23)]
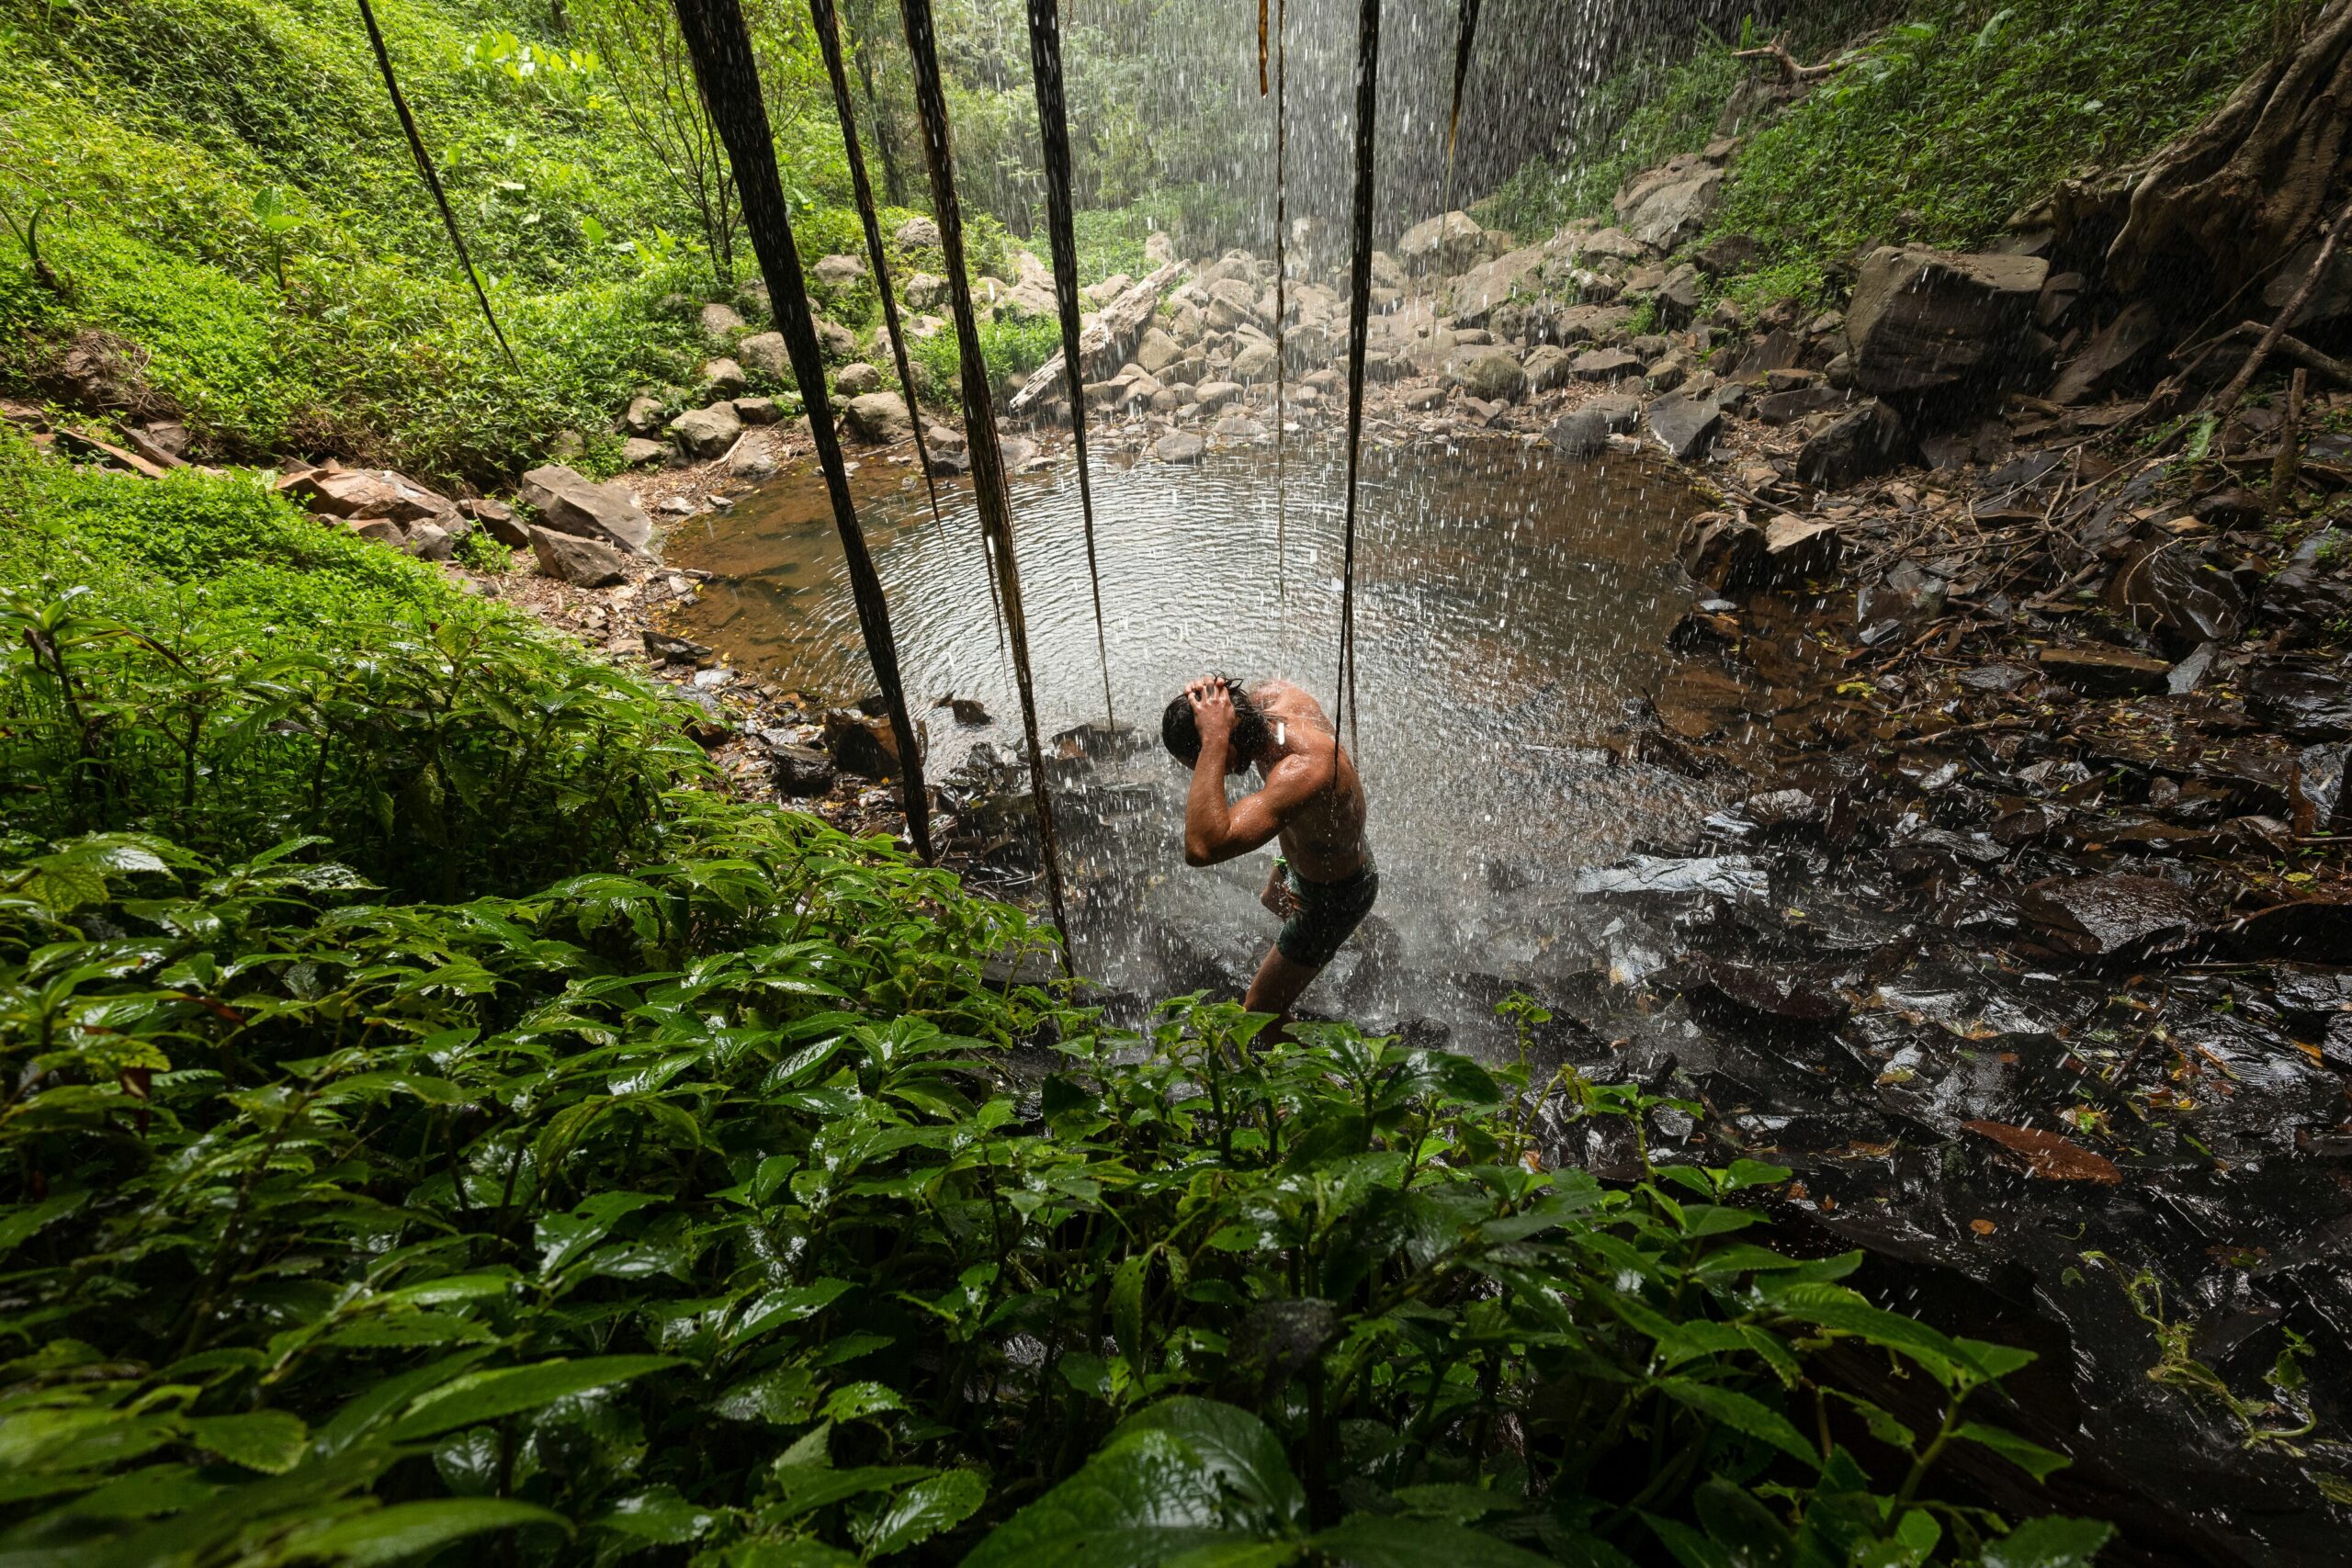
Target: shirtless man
[(1323, 883)]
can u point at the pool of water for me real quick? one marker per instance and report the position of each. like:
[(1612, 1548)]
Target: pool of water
[(1511, 605)]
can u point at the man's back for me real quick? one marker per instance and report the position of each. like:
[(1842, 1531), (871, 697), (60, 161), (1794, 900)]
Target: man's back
[(1323, 837)]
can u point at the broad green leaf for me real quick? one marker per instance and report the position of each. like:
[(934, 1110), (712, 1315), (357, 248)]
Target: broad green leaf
[(2032, 1458), (854, 1402), (412, 1529), (1144, 1499), (1233, 1445), (269, 1441), (22, 1223), (785, 1397), (661, 1516), (1742, 1413), (924, 1509), (486, 1396), (804, 1489), (791, 1303)]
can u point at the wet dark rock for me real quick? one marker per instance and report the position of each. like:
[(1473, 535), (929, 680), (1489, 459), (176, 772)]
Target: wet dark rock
[(1740, 994), (2336, 1047), (1179, 446), (967, 710), (800, 771), (865, 746), (662, 648), (2305, 702), (1650, 876), (2191, 672), (1721, 550), (1684, 425), (2306, 930), (2111, 916), (2174, 593), (2111, 350), (1787, 407), (1921, 318), (1999, 678), (1778, 350), (2105, 671), (1582, 436), (1794, 549), (1867, 441)]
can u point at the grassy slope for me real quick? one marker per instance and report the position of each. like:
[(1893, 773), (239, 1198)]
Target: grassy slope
[(1950, 121)]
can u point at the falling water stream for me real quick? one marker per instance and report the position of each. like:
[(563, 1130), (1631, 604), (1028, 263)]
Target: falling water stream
[(1511, 604)]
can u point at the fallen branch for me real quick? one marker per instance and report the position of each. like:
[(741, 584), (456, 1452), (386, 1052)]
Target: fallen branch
[(1778, 52)]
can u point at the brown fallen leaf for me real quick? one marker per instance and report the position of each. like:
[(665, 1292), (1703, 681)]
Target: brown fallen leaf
[(2048, 1156), (1981, 1227)]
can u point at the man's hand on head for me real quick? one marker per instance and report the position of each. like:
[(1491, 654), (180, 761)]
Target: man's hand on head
[(1212, 709)]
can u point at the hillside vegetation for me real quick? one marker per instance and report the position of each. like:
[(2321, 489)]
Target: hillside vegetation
[(1945, 122)]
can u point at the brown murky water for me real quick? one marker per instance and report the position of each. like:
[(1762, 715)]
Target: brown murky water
[(1511, 604)]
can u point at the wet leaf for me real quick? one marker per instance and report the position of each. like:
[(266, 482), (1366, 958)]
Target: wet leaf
[(2048, 1156), (406, 1530)]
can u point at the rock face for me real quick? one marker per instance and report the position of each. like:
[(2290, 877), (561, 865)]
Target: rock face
[(877, 416), (1665, 205), (573, 504), (707, 432), (1923, 319), (583, 563), (1101, 347)]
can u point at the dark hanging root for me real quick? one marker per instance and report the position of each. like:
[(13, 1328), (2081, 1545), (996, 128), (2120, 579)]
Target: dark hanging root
[(1359, 322), (1465, 34), (1282, 275), (979, 417), (1262, 48), (828, 37), (720, 45), (431, 180), (1053, 131)]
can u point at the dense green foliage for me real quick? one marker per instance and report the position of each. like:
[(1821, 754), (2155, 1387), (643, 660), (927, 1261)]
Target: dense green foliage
[(428, 1114)]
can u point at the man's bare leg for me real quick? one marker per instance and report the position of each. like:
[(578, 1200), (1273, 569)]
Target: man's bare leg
[(1277, 988)]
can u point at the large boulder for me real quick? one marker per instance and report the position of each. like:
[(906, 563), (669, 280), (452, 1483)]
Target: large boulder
[(1490, 285), (1233, 303), (1922, 318), (1662, 206), (917, 232), (725, 377), (1451, 243), (707, 432), (1685, 426), (1255, 361), (877, 416), (1546, 367), (1491, 374), (644, 415), (838, 272), (926, 290), (583, 562), (720, 323), (370, 492), (1866, 441), (837, 342), (568, 502), (764, 352), (856, 380), (1156, 351), (864, 747)]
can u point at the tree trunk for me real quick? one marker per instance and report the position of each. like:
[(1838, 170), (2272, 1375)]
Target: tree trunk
[(2242, 190)]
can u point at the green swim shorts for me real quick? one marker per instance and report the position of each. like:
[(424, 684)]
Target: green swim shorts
[(1329, 913)]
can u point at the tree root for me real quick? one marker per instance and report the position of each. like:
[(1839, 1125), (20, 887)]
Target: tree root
[(1791, 71)]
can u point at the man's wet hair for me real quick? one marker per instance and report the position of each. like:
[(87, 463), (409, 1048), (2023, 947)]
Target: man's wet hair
[(1181, 736)]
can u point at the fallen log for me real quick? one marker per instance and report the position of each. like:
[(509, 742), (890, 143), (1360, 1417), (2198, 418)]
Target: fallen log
[(1102, 345)]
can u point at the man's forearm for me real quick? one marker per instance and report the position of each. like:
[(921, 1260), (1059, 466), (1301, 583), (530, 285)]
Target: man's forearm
[(1207, 814)]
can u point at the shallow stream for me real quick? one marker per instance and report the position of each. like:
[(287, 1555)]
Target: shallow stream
[(1510, 606)]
